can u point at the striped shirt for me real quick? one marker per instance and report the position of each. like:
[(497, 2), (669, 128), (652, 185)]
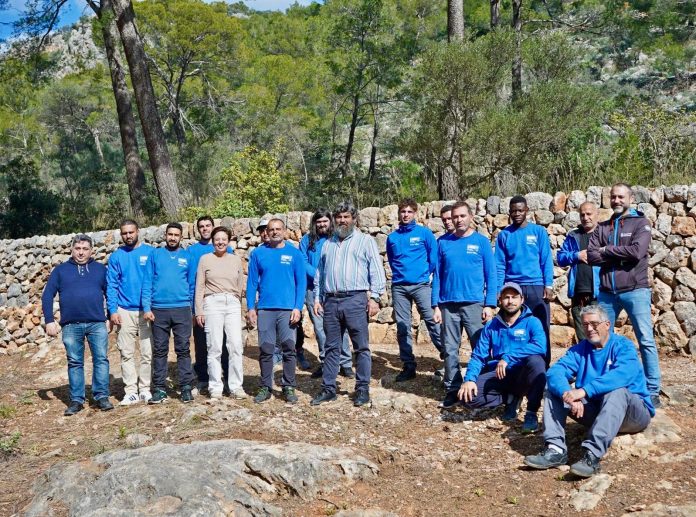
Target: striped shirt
[(351, 264)]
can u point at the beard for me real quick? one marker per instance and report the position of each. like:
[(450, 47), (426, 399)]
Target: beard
[(344, 231), (619, 210), (508, 312)]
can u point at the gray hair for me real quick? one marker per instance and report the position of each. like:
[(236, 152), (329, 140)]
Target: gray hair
[(344, 207), (595, 309), (81, 237)]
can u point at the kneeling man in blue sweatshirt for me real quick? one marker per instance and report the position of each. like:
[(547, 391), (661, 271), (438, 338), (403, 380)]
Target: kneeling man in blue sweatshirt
[(610, 395), (508, 361)]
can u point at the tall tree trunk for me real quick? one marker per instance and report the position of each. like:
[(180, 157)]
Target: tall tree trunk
[(455, 20), (447, 184), (373, 152), (160, 161), (126, 122), (351, 133), (495, 13), (517, 60)]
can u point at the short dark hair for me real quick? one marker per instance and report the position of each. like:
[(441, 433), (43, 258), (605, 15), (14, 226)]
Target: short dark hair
[(408, 202), (223, 229), (174, 225), (204, 218), (81, 237), (344, 207), (624, 185), (518, 199), (129, 222), (460, 204), (446, 208)]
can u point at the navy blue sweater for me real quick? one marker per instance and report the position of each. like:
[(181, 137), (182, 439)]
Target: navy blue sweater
[(81, 291)]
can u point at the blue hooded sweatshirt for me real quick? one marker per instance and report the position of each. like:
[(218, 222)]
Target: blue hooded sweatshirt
[(465, 271), (169, 280), (311, 257), (523, 255), (124, 277), (412, 254), (568, 256), (81, 290), (279, 277), (511, 343), (599, 371)]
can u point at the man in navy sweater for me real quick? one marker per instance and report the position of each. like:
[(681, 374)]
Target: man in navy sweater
[(81, 285), (523, 255), (464, 291), (277, 274), (124, 281), (610, 395), (508, 361), (168, 288), (412, 255)]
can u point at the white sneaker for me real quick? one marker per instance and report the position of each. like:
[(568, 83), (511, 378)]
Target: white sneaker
[(129, 399), (216, 396), (145, 396), (239, 394)]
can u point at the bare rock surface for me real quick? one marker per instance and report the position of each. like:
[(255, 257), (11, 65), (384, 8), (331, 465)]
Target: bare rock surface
[(590, 493)]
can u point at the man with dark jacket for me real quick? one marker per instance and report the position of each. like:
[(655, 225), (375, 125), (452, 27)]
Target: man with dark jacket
[(583, 279), (620, 247), (81, 285)]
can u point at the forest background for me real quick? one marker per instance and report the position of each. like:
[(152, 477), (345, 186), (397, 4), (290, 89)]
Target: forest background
[(163, 109)]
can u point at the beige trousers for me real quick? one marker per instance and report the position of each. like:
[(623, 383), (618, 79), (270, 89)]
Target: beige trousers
[(133, 325)]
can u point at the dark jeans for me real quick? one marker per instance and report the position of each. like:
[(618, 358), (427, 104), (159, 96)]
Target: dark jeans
[(403, 297), (577, 304), (274, 327), (176, 321), (200, 346), (534, 299), (341, 315), (527, 377)]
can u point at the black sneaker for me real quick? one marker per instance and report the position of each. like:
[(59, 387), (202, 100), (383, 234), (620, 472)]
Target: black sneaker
[(158, 396), (289, 394), (362, 397), (186, 395), (73, 408), (440, 372), (408, 373), (262, 395), (347, 372), (104, 404), (318, 373), (450, 400), (510, 413), (547, 459), (587, 467), (655, 399), (324, 396)]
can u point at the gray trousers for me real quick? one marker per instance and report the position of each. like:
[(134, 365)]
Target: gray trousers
[(274, 327), (455, 318), (619, 411), (403, 296)]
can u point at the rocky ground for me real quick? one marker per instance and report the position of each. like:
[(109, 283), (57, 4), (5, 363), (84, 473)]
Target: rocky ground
[(402, 456)]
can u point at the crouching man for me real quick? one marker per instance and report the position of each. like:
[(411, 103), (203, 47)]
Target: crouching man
[(508, 361), (610, 395)]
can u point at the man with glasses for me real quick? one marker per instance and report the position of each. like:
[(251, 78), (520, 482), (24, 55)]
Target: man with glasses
[(610, 395)]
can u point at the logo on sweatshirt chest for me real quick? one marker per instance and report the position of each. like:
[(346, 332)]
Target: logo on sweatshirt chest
[(182, 262), (286, 259), (472, 249), (531, 240), (626, 235), (519, 334), (414, 241), (143, 259)]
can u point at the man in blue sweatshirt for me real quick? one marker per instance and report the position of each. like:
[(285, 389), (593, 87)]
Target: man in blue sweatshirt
[(610, 395), (463, 294), (508, 361), (168, 288), (81, 285), (523, 255), (124, 281), (412, 255), (277, 274)]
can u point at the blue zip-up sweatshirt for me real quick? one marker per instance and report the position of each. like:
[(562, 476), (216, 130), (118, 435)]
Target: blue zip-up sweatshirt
[(124, 277), (568, 256), (279, 277), (523, 255), (599, 371), (169, 280), (465, 271), (412, 254), (511, 343), (81, 291), (311, 257)]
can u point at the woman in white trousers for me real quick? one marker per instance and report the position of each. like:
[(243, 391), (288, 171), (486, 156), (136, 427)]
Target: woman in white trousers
[(219, 284)]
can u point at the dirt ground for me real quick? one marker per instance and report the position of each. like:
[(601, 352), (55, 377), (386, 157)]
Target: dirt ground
[(431, 462)]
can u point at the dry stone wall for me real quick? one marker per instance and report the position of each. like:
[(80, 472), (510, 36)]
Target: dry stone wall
[(26, 263)]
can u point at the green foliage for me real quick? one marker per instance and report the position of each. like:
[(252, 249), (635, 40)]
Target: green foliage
[(9, 445), (7, 411)]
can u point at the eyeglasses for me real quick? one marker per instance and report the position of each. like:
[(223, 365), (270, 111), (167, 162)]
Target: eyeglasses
[(593, 324)]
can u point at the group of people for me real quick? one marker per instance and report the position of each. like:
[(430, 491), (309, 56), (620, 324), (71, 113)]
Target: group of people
[(500, 297)]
